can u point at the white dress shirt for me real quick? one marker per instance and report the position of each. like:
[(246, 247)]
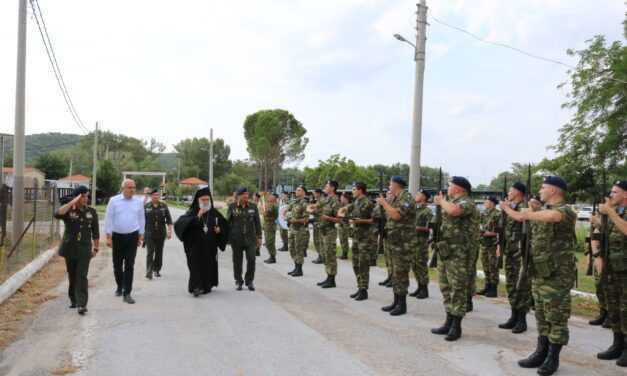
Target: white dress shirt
[(125, 215)]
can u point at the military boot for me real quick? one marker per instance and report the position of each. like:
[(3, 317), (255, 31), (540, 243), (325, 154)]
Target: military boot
[(492, 292), (385, 281), (293, 270), (363, 295), (390, 283), (415, 293), (423, 292), (511, 322), (323, 282), (599, 319), (299, 271), (319, 260), (607, 324), (390, 307), (455, 331), (521, 324), (622, 361), (444, 329), (615, 350), (401, 307), (552, 361), (330, 283), (355, 294), (537, 357), (270, 260)]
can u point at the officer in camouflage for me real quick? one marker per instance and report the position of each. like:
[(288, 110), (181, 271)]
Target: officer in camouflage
[(459, 233), (343, 228), (317, 235), (298, 218), (158, 228), (360, 217), (421, 249), (378, 215), (615, 273), (600, 289), (270, 215), (400, 212), (328, 218), (489, 224), (285, 200)]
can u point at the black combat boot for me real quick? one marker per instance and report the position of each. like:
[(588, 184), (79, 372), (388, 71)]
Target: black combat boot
[(354, 295), (323, 282), (363, 295), (444, 329), (401, 307), (599, 319), (552, 361), (423, 292), (415, 293), (283, 248), (492, 292), (385, 281), (293, 270), (390, 283), (299, 271), (330, 283), (485, 289), (607, 324), (270, 260), (319, 260), (511, 322), (455, 331), (390, 307), (469, 306), (521, 324), (615, 350), (622, 361), (537, 357)]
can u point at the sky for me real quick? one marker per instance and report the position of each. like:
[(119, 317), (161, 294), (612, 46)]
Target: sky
[(173, 70)]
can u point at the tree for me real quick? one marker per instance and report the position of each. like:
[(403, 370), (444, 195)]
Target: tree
[(53, 165), (340, 169), (193, 154), (108, 178), (274, 137)]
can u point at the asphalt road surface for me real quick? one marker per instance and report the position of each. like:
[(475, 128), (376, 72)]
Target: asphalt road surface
[(289, 326)]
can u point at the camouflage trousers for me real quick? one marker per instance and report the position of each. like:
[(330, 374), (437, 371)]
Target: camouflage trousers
[(361, 255), (490, 265), (616, 295), (329, 246), (601, 291), (453, 280), (519, 300), (552, 306), (284, 237), (420, 260), (269, 232), (473, 256), (298, 240), (317, 238), (401, 253), (388, 257), (343, 232)]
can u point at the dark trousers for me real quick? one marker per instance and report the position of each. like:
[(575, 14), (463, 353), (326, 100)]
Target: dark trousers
[(77, 270), (238, 259), (154, 254), (124, 252)]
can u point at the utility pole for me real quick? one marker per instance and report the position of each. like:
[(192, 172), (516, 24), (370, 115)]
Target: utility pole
[(94, 168), (211, 160), (71, 167), (416, 134), (18, 139), (2, 162)]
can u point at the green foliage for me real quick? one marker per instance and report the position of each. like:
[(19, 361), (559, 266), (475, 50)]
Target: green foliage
[(108, 178), (194, 156), (338, 168), (53, 165)]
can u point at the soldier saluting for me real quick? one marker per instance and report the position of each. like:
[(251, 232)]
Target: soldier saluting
[(79, 244), (157, 218)]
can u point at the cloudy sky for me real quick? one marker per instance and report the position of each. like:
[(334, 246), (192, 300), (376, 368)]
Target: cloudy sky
[(173, 70)]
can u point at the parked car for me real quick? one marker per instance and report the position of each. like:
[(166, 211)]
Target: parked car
[(584, 213)]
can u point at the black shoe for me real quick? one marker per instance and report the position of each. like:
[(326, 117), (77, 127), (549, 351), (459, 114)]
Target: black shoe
[(469, 305), (423, 292), (293, 270), (455, 332), (511, 322), (270, 260), (615, 350), (239, 286), (299, 271), (390, 307), (118, 292), (600, 319), (444, 329), (363, 295), (330, 283), (149, 275), (385, 281), (354, 295), (521, 324), (536, 358), (401, 307), (157, 274), (492, 292), (82, 310), (485, 289), (389, 284), (197, 292), (622, 361), (251, 286), (552, 361), (72, 305), (415, 293), (128, 299), (323, 282)]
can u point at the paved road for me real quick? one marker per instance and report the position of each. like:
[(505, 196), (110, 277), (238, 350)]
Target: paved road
[(287, 327)]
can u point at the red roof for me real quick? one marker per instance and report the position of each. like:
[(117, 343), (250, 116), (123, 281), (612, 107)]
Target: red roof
[(76, 178), (192, 181)]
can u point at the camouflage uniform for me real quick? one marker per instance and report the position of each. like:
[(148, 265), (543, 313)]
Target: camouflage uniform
[(344, 232), (362, 241), (270, 216), (489, 261), (157, 218), (329, 207), (421, 250), (317, 234), (518, 300), (553, 270), (400, 237), (458, 237), (377, 213), (298, 233), (616, 288)]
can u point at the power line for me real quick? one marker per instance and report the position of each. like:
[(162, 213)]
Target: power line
[(53, 61), (510, 47)]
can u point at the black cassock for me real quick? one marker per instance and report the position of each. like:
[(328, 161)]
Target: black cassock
[(201, 245)]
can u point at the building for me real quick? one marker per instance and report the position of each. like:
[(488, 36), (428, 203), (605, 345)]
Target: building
[(193, 182), (32, 177), (74, 181)]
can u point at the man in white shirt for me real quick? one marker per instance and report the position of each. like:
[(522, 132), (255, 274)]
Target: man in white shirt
[(124, 225)]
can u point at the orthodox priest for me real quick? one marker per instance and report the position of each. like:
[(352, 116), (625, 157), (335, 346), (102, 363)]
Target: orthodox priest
[(203, 230)]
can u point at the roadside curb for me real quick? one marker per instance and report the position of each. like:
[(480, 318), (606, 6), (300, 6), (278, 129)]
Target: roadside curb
[(17, 280)]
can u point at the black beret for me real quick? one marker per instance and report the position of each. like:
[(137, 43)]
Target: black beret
[(427, 194), (361, 186), (333, 183), (520, 187), (622, 184), (556, 181), (399, 180), (80, 191), (302, 187), (156, 190), (493, 199), (241, 190), (318, 190), (462, 182)]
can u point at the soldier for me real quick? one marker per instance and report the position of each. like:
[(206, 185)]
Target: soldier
[(344, 229), (79, 244), (378, 216), (519, 300), (285, 200), (360, 216), (270, 215), (328, 218), (599, 284), (553, 271), (245, 236), (157, 218), (614, 270), (459, 230), (420, 258), (400, 230), (256, 201), (489, 223), (298, 218), (317, 236)]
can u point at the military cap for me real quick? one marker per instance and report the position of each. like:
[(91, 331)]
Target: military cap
[(556, 181), (427, 194), (241, 191), (318, 190), (360, 185), (399, 180), (153, 191), (333, 183), (622, 184), (80, 191), (493, 199), (520, 187), (462, 182)]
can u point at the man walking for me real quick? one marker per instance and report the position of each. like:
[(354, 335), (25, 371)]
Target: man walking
[(158, 218)]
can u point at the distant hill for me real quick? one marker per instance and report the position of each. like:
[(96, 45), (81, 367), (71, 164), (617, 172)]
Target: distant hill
[(42, 143)]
